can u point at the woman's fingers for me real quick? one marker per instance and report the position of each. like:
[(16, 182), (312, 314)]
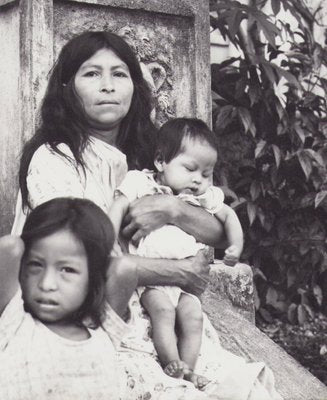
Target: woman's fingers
[(198, 274)]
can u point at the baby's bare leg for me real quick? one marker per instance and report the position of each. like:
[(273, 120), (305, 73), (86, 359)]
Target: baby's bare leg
[(190, 321), (121, 283), (163, 317)]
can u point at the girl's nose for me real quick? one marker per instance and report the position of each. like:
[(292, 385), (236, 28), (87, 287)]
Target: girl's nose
[(48, 280), (107, 84)]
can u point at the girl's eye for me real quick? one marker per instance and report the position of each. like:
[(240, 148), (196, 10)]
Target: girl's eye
[(33, 266), (191, 169)]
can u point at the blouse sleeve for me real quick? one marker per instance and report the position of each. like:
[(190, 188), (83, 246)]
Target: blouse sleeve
[(51, 175), (212, 200), (133, 185)]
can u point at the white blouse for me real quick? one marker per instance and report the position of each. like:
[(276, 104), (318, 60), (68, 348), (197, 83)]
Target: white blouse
[(51, 175)]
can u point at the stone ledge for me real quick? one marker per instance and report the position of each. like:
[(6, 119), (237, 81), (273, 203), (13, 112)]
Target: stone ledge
[(234, 284), (240, 336)]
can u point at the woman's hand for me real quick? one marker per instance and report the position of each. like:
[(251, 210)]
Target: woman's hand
[(191, 274), (152, 212), (196, 273), (147, 214)]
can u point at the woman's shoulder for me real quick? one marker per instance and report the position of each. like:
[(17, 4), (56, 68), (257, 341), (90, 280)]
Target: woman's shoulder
[(45, 153)]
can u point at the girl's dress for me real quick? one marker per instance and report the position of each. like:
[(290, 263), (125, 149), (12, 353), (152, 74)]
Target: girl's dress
[(51, 175)]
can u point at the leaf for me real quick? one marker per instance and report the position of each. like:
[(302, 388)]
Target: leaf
[(292, 313), (320, 197), (255, 190), (265, 314), (271, 296), (275, 5), (317, 292), (277, 154), (251, 210), (224, 117), (323, 350), (269, 72), (302, 315), (257, 301), (246, 120), (269, 30), (291, 277), (259, 148), (234, 20), (305, 163)]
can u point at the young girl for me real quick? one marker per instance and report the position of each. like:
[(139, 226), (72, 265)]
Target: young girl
[(52, 344), (185, 159)]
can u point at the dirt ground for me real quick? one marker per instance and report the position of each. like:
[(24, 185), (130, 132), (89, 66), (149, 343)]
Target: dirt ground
[(306, 343)]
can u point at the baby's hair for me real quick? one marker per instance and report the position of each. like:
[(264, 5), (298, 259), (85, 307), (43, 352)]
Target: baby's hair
[(170, 136), (92, 227)]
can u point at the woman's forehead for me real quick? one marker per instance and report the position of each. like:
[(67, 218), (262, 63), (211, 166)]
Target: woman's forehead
[(104, 57)]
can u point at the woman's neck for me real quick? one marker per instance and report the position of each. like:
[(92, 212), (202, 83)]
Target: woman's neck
[(109, 137)]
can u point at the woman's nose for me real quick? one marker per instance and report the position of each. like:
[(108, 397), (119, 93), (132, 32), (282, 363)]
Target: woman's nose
[(107, 84), (48, 280)]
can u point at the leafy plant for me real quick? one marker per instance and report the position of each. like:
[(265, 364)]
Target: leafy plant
[(269, 113)]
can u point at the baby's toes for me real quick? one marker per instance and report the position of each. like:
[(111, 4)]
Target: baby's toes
[(174, 368)]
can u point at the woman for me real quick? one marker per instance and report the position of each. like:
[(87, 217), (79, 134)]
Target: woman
[(95, 120)]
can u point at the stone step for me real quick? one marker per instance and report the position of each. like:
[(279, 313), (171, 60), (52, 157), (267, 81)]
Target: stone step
[(228, 302)]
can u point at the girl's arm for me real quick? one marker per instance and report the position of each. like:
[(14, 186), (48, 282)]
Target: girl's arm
[(227, 216), (152, 212), (11, 251)]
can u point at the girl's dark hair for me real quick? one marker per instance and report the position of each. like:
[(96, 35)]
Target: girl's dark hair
[(170, 136), (63, 119), (92, 227)]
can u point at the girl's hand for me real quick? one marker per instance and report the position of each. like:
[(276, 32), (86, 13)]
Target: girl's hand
[(196, 273), (232, 255), (147, 214)]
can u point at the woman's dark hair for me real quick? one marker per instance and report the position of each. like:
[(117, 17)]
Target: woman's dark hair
[(92, 227), (170, 136), (63, 119)]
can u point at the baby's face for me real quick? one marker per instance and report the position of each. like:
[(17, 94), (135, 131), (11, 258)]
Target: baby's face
[(191, 170)]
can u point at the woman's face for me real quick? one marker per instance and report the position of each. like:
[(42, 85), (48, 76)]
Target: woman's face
[(105, 88)]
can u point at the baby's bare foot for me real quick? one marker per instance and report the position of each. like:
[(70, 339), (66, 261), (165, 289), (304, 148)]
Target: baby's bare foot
[(175, 369), (198, 381)]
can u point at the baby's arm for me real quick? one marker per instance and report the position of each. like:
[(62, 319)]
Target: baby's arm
[(11, 251), (227, 216)]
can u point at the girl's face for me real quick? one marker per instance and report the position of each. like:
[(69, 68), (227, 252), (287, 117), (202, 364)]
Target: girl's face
[(105, 88), (55, 277), (191, 170)]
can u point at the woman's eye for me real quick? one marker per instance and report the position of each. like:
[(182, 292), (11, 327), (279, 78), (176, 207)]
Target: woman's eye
[(68, 270), (120, 74), (91, 74)]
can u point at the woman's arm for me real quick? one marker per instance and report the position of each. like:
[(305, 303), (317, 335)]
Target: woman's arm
[(152, 212), (190, 273), (11, 251)]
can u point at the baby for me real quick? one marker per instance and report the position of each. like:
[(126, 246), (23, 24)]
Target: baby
[(185, 158)]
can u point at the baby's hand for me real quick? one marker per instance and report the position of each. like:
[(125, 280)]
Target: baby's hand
[(232, 255)]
